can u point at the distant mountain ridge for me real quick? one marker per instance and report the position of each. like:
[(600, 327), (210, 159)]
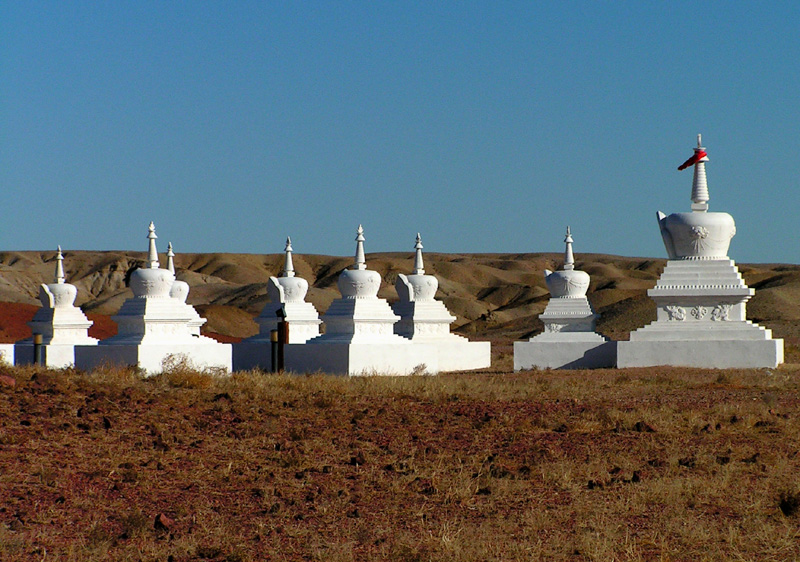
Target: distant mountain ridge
[(496, 296)]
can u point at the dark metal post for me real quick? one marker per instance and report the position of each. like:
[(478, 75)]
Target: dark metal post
[(282, 336), (38, 358), (273, 339)]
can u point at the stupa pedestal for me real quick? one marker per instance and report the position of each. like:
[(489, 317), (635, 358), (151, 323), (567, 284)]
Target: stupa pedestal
[(359, 336), (61, 324), (156, 327), (569, 340), (701, 297), (287, 295), (424, 320)]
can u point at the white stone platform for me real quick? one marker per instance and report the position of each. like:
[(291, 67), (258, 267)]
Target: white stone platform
[(713, 353), (153, 358), (359, 340), (576, 350), (569, 340), (359, 336), (426, 321), (362, 359)]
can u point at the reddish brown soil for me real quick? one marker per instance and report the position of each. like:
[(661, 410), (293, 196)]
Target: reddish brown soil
[(14, 318), (642, 465), (13, 321)]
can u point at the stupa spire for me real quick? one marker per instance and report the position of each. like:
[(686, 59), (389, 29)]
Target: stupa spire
[(419, 269), (361, 262), (699, 184), (288, 266), (170, 259), (60, 278), (152, 253), (569, 259)]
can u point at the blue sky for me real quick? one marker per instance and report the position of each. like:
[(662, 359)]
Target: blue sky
[(486, 126)]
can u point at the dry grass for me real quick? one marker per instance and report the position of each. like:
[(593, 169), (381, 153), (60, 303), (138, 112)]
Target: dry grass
[(641, 464)]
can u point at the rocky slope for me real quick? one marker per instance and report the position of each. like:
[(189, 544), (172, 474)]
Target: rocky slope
[(495, 296)]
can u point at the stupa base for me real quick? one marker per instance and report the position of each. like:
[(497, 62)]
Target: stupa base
[(155, 358), (57, 356), (577, 350), (7, 353), (710, 354), (456, 353), (252, 355), (369, 358)]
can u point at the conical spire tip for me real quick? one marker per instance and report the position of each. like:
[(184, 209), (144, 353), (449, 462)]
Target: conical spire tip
[(152, 253), (419, 268), (569, 259), (60, 277), (361, 262), (288, 265)]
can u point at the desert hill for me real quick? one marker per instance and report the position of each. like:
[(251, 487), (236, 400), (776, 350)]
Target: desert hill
[(494, 296)]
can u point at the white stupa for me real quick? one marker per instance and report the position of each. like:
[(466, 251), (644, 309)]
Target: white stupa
[(359, 333), (61, 324), (156, 326), (701, 296), (426, 320), (569, 340), (287, 295)]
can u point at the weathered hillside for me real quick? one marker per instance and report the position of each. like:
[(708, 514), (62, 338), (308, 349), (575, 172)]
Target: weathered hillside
[(493, 295)]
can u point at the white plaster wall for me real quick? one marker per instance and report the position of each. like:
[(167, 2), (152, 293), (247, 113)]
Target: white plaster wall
[(712, 353), (150, 357), (544, 354), (361, 358)]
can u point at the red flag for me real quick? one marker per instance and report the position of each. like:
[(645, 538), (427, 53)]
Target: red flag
[(698, 154)]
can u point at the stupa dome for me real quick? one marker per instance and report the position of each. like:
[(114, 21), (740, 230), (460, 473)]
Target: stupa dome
[(287, 287), (152, 282), (417, 286), (359, 282), (698, 234), (58, 294), (569, 282), (180, 289)]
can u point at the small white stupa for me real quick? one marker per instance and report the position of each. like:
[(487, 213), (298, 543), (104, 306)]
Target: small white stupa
[(426, 320), (569, 340), (359, 333), (287, 295), (701, 297), (156, 326), (61, 324)]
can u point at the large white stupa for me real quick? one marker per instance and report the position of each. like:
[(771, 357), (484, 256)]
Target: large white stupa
[(156, 327), (569, 340), (359, 333), (287, 295), (61, 324), (701, 297), (426, 320)]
